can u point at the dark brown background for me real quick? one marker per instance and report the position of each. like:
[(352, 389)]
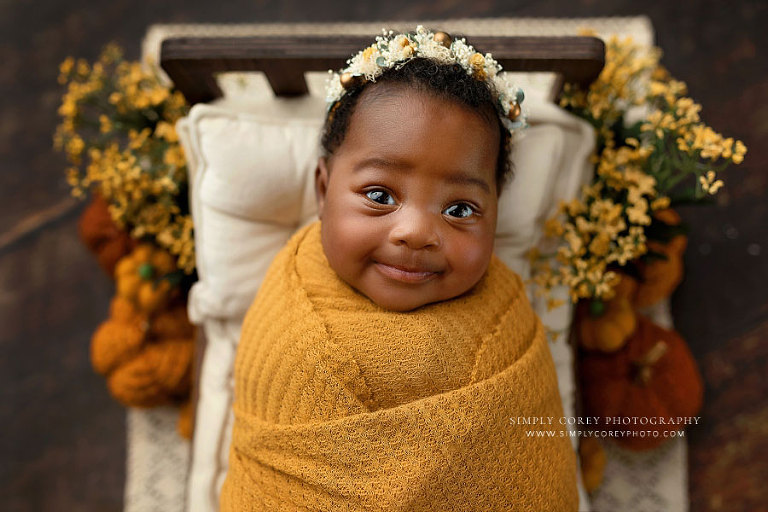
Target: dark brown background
[(62, 436)]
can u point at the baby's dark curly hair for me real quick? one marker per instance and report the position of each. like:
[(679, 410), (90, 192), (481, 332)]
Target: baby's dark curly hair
[(449, 81)]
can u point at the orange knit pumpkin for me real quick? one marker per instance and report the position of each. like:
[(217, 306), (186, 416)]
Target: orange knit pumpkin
[(608, 330), (115, 343), (160, 374), (659, 278), (101, 235), (140, 277), (147, 359), (172, 323), (654, 375), (124, 310), (593, 461), (120, 338)]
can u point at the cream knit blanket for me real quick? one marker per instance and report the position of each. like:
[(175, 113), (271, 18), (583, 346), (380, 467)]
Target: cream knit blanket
[(342, 405)]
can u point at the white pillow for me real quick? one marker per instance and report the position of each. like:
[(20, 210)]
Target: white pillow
[(252, 186)]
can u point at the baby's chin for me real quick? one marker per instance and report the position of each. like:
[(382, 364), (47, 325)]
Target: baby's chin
[(400, 306), (405, 302)]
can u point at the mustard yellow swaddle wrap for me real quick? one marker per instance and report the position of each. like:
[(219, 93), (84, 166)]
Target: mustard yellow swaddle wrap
[(343, 405)]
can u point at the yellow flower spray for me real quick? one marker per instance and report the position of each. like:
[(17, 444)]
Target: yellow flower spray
[(117, 130), (639, 169)]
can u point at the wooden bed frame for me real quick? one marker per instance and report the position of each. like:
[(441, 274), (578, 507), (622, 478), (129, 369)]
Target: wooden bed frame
[(192, 63)]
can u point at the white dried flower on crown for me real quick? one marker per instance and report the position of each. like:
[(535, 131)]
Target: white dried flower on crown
[(394, 50)]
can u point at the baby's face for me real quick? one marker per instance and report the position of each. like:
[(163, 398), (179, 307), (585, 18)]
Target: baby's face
[(408, 202)]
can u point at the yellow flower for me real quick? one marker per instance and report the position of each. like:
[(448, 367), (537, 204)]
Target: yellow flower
[(584, 227), (166, 131), (105, 124), (604, 209), (553, 303), (600, 244), (477, 62), (65, 69), (658, 88), (708, 183), (111, 53), (660, 203), (175, 103), (174, 156), (574, 241), (553, 227), (739, 151), (158, 95), (137, 139), (82, 67), (638, 213), (73, 177), (74, 148), (68, 107), (369, 52), (575, 207)]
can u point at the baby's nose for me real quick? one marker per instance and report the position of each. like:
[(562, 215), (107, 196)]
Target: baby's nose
[(416, 231)]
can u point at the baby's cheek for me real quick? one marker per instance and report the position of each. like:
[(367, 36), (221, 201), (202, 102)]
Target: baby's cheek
[(351, 236), (343, 243), (471, 260)]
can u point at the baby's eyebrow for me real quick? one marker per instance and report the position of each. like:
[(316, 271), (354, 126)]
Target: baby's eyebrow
[(456, 177), (378, 162), (465, 179)]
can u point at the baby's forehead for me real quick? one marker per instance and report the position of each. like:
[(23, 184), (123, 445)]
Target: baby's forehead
[(384, 94), (417, 130), (395, 105)]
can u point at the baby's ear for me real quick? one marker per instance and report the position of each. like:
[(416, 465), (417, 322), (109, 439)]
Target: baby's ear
[(321, 184)]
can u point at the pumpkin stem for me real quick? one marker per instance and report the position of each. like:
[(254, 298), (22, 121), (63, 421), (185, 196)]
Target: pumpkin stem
[(645, 364), (596, 307)]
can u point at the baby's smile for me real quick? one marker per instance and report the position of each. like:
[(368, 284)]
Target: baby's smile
[(406, 274)]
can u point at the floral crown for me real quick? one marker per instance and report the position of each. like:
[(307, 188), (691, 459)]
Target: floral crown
[(394, 50)]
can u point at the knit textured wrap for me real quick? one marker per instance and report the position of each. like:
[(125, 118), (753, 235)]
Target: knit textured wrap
[(343, 405)]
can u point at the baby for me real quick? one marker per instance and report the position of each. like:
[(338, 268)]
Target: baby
[(388, 346)]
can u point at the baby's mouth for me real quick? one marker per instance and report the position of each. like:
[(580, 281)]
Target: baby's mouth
[(405, 274)]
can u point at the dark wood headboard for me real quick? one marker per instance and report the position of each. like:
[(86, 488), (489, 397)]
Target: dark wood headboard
[(193, 62)]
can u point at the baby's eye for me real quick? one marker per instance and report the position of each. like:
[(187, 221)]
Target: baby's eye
[(380, 196), (460, 210)]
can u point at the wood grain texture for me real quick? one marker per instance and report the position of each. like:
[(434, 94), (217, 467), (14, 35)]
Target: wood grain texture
[(193, 62), (62, 446)]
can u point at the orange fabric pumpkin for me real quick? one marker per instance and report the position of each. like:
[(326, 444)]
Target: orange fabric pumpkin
[(115, 343), (654, 375), (172, 323), (160, 374), (139, 277), (659, 278), (593, 461), (120, 338), (101, 235), (147, 360), (609, 330)]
